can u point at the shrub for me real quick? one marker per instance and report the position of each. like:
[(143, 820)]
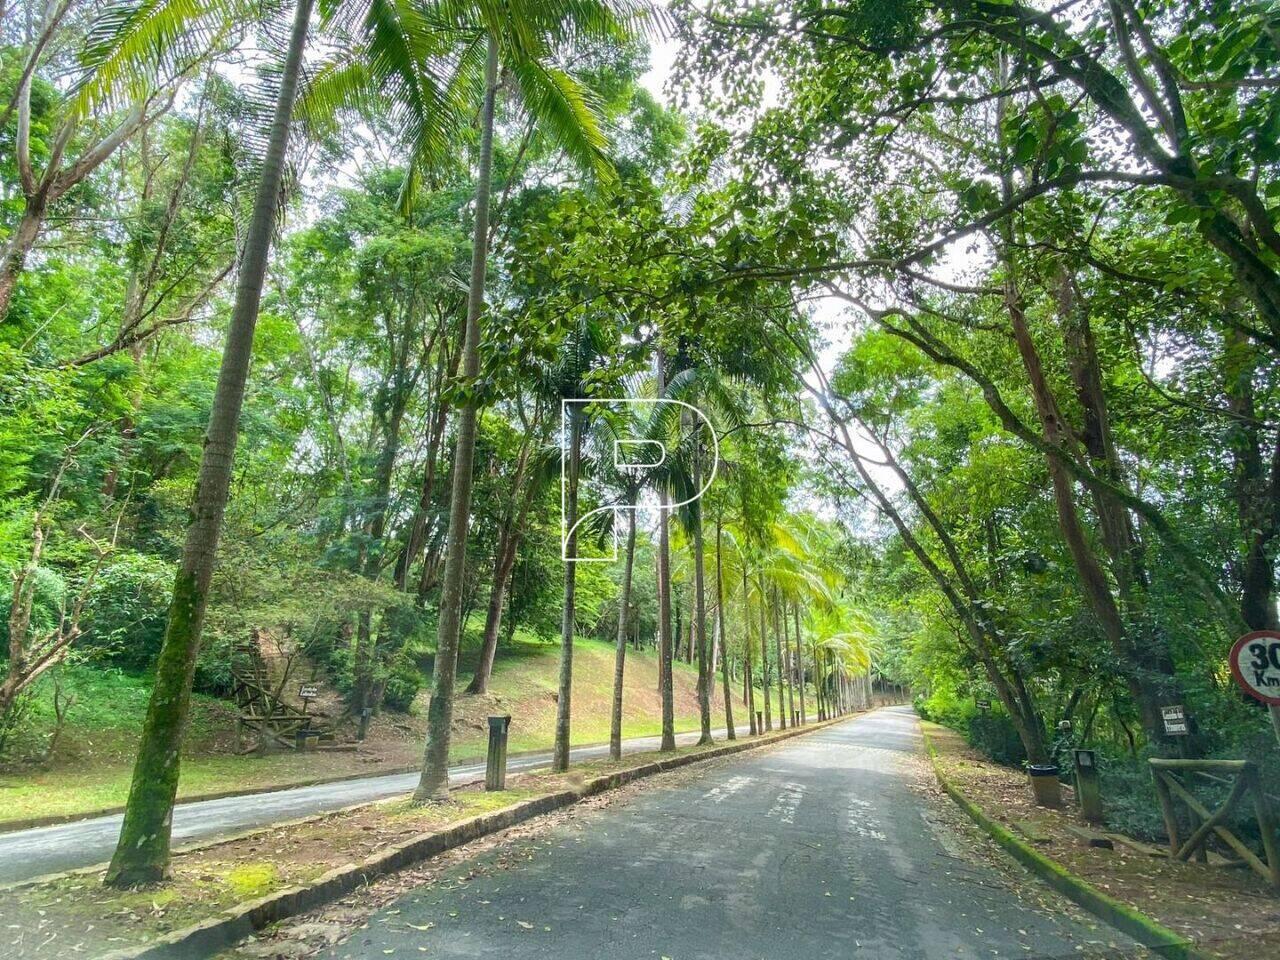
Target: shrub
[(995, 735), (127, 610), (403, 683), (50, 594)]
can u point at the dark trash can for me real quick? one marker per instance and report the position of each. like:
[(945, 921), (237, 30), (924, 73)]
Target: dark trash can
[(1045, 784)]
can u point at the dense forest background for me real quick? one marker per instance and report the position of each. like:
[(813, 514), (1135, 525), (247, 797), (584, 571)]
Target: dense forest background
[(981, 300)]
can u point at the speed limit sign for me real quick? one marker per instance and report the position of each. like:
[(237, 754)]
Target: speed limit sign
[(1255, 663)]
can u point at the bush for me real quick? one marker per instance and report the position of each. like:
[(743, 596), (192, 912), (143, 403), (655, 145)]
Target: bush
[(403, 683), (995, 735), (50, 594), (127, 610)]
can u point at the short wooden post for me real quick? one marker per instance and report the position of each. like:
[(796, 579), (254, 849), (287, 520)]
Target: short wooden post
[(363, 729), (1088, 786), (495, 771), (1167, 810), (1266, 826), (759, 721)]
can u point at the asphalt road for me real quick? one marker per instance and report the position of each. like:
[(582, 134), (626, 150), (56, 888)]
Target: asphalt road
[(821, 848), (84, 843)]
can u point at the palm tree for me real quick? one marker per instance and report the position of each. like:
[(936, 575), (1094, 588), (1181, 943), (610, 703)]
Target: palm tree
[(523, 41), (129, 40), (626, 483), (142, 854)]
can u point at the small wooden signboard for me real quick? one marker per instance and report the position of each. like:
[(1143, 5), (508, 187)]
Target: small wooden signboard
[(1175, 721)]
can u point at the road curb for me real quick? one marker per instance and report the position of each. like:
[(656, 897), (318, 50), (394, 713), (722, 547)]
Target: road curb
[(209, 936), (1147, 931)]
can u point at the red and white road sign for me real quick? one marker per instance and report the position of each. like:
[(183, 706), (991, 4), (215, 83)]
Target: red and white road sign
[(1255, 663)]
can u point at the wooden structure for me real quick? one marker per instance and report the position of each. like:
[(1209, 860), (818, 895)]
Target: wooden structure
[(266, 720), (1171, 780)]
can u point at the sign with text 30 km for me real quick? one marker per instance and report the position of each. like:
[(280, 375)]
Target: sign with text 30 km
[(1255, 663)]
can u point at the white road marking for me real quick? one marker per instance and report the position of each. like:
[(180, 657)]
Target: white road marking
[(727, 789), (784, 808)]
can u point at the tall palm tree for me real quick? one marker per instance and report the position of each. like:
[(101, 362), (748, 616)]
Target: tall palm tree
[(626, 483), (142, 854), (523, 42), (128, 41)]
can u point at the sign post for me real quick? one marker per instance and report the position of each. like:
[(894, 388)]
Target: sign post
[(1088, 786), (1255, 664), (495, 771)]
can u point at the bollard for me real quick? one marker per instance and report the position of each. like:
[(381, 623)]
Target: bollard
[(365, 714), (1088, 786), (495, 771), (759, 721), (795, 718)]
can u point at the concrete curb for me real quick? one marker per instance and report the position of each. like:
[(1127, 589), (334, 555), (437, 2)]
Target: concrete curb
[(209, 936), (1121, 916)]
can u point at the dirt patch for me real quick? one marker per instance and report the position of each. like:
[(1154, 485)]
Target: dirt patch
[(1227, 912)]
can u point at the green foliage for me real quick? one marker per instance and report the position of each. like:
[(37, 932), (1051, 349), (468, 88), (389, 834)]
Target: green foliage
[(404, 679), (48, 602), (125, 615)]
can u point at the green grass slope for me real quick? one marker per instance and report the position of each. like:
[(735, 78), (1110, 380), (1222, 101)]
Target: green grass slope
[(90, 768)]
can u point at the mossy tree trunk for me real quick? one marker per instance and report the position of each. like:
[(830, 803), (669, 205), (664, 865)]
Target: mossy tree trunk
[(142, 852)]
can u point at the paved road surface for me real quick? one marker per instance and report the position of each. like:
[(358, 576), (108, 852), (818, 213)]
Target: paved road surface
[(33, 853), (818, 849)]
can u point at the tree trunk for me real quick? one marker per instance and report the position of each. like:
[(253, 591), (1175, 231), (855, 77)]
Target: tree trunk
[(764, 659), (434, 782), (666, 644), (504, 565), (1257, 487), (724, 650), (791, 665), (795, 609), (560, 750), (620, 654), (142, 853), (777, 646), (19, 245), (1093, 579), (700, 607)]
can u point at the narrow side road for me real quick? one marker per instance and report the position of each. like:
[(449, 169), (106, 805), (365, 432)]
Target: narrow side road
[(83, 843), (829, 846)]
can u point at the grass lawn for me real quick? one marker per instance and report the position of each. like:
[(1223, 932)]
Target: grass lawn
[(91, 768)]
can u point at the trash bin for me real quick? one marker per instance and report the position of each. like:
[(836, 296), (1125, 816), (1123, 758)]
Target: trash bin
[(1045, 784)]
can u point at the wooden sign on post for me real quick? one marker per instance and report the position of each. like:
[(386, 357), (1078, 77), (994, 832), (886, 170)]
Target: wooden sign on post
[(307, 691), (983, 705), (1255, 664)]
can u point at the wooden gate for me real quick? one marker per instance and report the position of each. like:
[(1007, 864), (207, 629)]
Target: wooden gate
[(1170, 784)]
